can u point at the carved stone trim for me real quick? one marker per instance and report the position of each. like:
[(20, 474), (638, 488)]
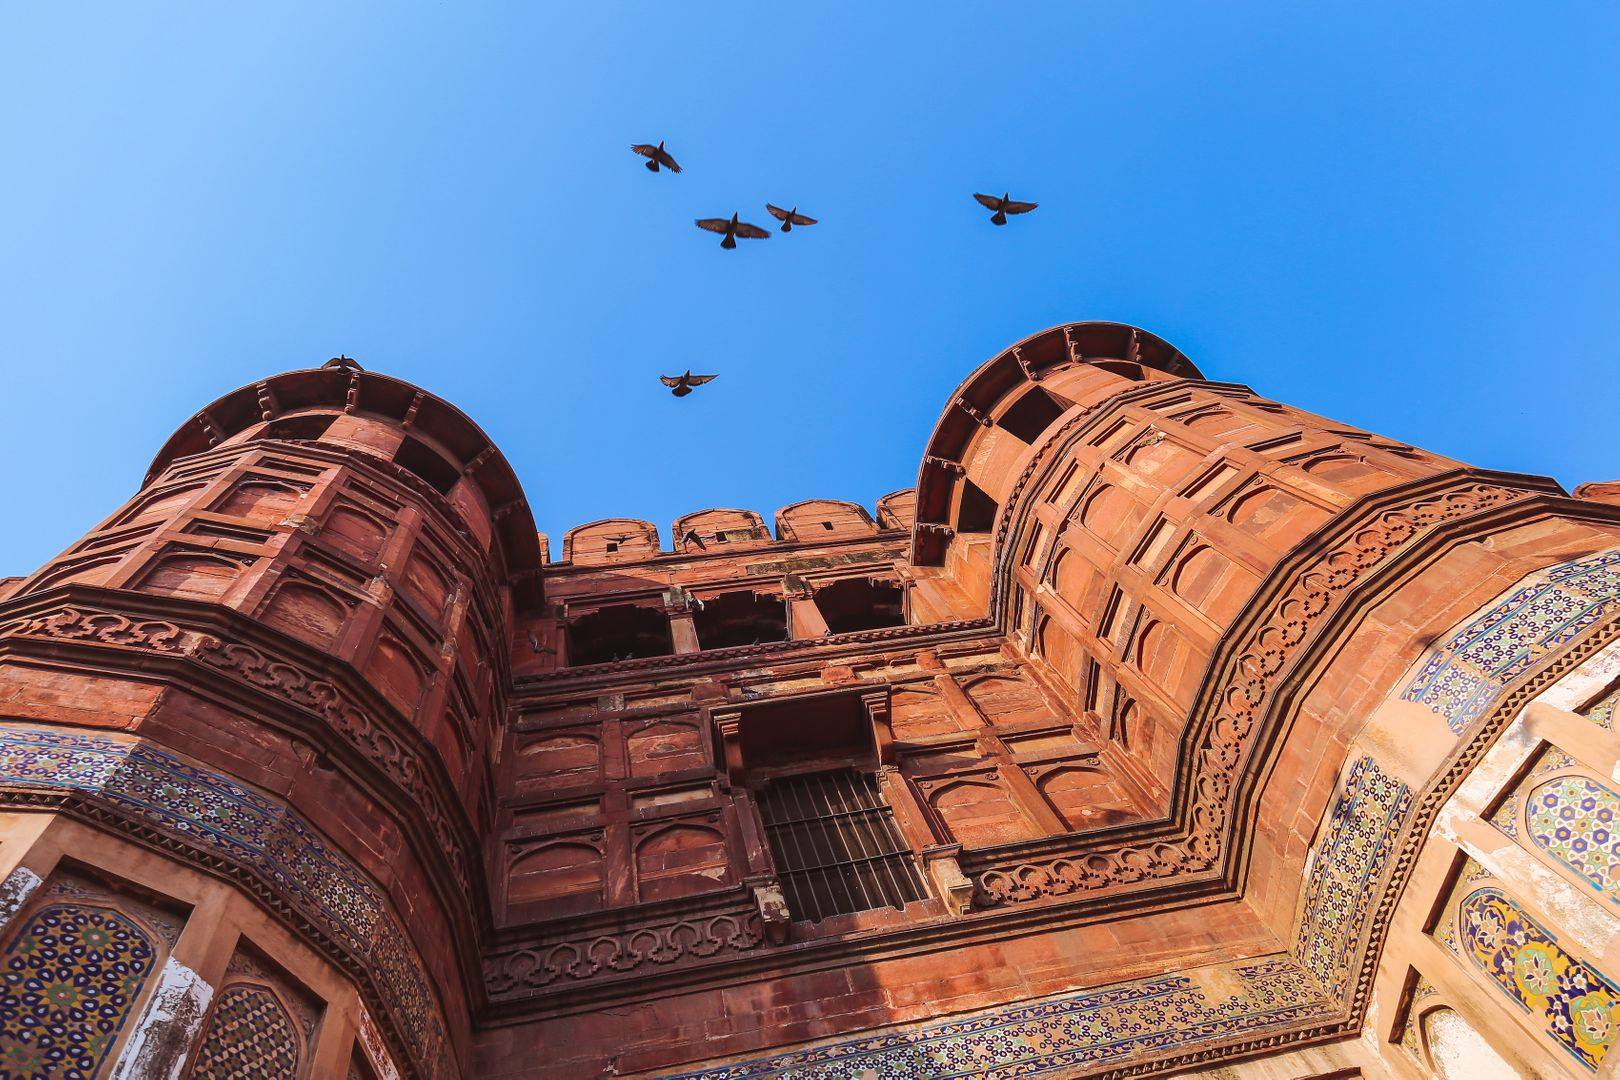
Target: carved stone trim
[(1250, 674), (521, 971)]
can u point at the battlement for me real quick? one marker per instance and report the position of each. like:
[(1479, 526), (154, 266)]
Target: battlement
[(723, 531)]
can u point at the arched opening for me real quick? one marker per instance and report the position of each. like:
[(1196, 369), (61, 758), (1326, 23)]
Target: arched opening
[(1032, 414), (861, 604), (619, 632), (740, 618), (427, 463), (977, 512)]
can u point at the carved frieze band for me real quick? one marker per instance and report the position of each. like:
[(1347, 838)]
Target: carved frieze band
[(284, 680), (1251, 676), (518, 972)]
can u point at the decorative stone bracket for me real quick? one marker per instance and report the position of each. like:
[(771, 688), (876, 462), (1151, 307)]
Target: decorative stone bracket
[(773, 909), (953, 886)]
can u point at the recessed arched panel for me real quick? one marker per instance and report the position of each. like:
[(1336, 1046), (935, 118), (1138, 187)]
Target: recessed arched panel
[(1272, 514), (1347, 472), (570, 755), (1457, 1052), (250, 1034), (261, 500), (1005, 699), (359, 534), (916, 713), (555, 871), (1163, 461), (309, 614), (395, 672), (1110, 514), (72, 975), (160, 503), (1569, 1000), (980, 812), (427, 583), (1083, 797), (193, 576), (681, 860), (1576, 821), (665, 748), (1165, 657)]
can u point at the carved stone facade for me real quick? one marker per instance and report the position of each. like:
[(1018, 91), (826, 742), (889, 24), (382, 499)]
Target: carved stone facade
[(1160, 726)]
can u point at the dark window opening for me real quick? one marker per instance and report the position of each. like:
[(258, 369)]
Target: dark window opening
[(297, 427), (426, 463), (836, 845), (977, 513), (740, 618), (859, 604), (1032, 414), (619, 632), (612, 546), (827, 525)]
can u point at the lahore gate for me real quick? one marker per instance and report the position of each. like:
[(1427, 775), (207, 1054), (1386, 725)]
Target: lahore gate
[(1160, 727)]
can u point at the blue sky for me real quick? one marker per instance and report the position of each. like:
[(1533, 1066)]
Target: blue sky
[(1403, 216)]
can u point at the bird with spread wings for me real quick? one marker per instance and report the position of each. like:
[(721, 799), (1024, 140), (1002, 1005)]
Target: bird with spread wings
[(681, 385), (789, 218), (732, 229), (656, 156), (1003, 206)]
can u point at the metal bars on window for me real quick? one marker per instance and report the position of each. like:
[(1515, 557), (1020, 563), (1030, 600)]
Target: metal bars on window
[(836, 845)]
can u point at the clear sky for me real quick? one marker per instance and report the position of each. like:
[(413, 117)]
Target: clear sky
[(1404, 216)]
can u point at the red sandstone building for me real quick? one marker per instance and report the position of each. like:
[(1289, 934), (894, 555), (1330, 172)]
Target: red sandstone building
[(1160, 727)]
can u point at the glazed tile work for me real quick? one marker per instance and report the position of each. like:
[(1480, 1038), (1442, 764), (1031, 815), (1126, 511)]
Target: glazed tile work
[(1060, 1036), (1459, 678), (1573, 819), (1576, 1005), (1602, 714), (1506, 817), (250, 1036), (257, 834), (71, 976), (1410, 1039), (1346, 870)]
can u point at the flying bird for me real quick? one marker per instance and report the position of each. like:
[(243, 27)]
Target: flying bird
[(656, 156), (789, 218), (732, 229), (1003, 206), (681, 385)]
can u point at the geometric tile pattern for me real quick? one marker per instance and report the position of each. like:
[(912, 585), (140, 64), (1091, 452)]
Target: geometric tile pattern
[(1577, 821), (71, 976), (1506, 817), (1602, 714), (1460, 677), (259, 835), (1409, 1029), (1060, 1036), (1345, 871), (1577, 1006), (250, 1037)]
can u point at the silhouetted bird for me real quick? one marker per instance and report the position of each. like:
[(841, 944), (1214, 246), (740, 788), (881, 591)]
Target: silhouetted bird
[(682, 384), (789, 218), (656, 156), (1003, 206), (732, 229)]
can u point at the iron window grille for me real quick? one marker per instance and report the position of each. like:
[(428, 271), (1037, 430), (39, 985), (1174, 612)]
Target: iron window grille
[(836, 845)]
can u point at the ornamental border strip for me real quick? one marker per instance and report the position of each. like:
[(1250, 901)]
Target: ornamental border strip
[(380, 745)]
